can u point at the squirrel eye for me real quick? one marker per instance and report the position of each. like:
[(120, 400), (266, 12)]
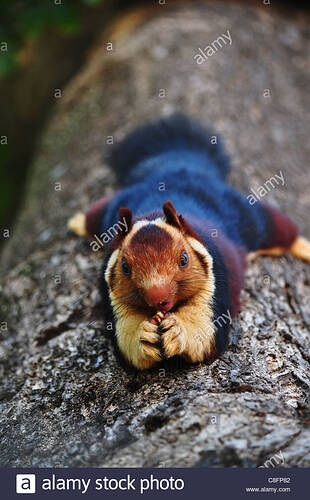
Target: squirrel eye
[(125, 266), (183, 259)]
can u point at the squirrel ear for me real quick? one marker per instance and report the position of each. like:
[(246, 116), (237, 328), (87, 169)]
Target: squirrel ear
[(178, 221), (125, 216), (171, 215)]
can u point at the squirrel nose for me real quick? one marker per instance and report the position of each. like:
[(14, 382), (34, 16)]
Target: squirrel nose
[(158, 296)]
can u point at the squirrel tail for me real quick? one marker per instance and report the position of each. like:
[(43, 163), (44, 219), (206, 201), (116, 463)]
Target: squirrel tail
[(166, 134)]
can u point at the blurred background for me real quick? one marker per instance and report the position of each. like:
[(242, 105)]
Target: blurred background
[(43, 45)]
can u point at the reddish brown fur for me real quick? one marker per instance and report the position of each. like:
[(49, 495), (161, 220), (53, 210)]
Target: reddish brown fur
[(155, 252), (162, 300)]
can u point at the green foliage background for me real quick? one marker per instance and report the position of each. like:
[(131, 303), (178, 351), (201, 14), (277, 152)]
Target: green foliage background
[(24, 20), (42, 44)]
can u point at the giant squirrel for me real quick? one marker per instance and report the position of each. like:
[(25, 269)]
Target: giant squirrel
[(177, 265)]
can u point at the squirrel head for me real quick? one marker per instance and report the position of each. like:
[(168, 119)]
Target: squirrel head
[(157, 264)]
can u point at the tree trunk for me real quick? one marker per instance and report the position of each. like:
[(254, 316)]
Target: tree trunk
[(65, 398)]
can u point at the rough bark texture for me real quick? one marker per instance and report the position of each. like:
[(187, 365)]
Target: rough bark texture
[(65, 398)]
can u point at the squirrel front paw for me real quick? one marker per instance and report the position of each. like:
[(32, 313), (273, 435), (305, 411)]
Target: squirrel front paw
[(149, 345), (173, 335)]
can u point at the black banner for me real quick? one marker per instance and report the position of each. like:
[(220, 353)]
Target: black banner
[(197, 483)]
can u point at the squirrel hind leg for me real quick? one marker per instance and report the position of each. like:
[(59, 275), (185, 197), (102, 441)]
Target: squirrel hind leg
[(77, 224), (301, 249), (272, 252)]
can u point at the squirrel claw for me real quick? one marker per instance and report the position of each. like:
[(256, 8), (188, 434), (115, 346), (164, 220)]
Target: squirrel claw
[(173, 336)]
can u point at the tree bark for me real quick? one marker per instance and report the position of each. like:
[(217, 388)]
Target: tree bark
[(65, 398)]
